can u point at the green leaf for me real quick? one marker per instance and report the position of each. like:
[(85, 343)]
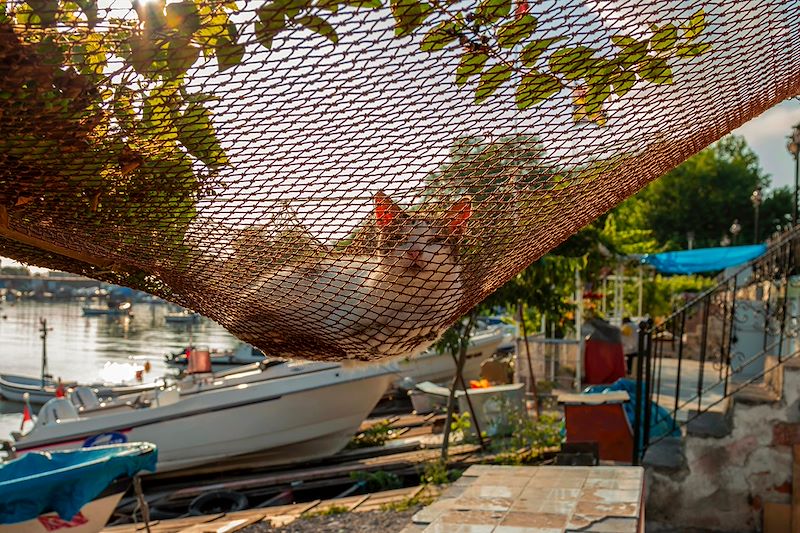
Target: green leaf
[(408, 16), (439, 37), (158, 113), (693, 50), (229, 52), (665, 38), (369, 4), (536, 87), (143, 53), (656, 71), (45, 11), (89, 9), (491, 80), (181, 55), (695, 25), (632, 52), (319, 26), (531, 52), (515, 31), (574, 63), (183, 16), (196, 133), (623, 82), (271, 22), (151, 13), (489, 11), (471, 64)]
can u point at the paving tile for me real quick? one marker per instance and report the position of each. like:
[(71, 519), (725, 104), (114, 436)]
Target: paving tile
[(510, 480), (522, 529), (541, 520), (466, 503), (465, 522), (610, 495), (616, 483), (492, 491), (609, 525), (550, 493), (607, 509), (431, 512), (566, 507)]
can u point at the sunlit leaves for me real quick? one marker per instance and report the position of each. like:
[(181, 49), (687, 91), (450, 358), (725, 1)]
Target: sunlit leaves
[(196, 133), (532, 51), (318, 25), (491, 80), (229, 51), (439, 37), (664, 38), (573, 63), (408, 16), (518, 29), (695, 25), (535, 88), (180, 56), (490, 11), (43, 13), (471, 64), (656, 70), (184, 17)]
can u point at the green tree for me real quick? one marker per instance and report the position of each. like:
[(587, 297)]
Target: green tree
[(704, 196)]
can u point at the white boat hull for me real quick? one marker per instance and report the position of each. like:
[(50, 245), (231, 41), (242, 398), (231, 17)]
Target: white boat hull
[(90, 519), (297, 420), (438, 367)]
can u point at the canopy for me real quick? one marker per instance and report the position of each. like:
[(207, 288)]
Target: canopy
[(704, 259), (65, 481)]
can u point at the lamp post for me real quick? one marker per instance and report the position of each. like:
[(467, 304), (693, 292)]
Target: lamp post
[(735, 229), (756, 198), (794, 148)]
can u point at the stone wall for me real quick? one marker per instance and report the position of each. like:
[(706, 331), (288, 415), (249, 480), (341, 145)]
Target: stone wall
[(724, 482)]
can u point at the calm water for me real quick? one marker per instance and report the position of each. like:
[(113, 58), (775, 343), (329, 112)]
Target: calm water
[(92, 349)]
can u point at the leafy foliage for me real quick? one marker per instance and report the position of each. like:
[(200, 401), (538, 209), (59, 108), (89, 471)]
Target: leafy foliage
[(379, 480), (703, 196), (376, 435), (437, 473)]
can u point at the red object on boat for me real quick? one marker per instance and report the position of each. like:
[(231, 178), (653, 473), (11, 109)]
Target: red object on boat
[(59, 389), (26, 416)]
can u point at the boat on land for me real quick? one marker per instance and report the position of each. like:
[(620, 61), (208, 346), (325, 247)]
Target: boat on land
[(74, 490), (122, 309), (243, 354), (182, 318), (290, 411), (437, 366), (13, 387)]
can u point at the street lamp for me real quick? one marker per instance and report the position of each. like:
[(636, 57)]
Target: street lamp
[(735, 229), (756, 198), (794, 148)]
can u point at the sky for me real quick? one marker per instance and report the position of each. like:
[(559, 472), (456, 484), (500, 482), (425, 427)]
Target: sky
[(767, 136)]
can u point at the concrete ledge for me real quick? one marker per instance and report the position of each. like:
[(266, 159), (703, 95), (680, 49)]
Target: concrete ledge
[(715, 422), (665, 454)]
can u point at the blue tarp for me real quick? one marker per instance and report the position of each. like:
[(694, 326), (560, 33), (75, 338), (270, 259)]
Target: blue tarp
[(704, 259), (661, 423), (63, 482)]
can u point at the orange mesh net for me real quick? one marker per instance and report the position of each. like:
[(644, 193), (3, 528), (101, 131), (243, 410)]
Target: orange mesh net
[(344, 178)]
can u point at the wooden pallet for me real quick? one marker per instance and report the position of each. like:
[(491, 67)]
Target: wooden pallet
[(280, 515)]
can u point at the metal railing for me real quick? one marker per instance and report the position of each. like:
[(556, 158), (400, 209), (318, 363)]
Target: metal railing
[(717, 344)]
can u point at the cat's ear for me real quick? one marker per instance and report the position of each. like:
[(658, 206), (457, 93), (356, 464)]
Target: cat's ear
[(458, 215), (386, 211)]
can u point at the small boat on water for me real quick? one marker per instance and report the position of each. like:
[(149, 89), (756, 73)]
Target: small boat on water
[(73, 491), (244, 354), (14, 386), (182, 317), (120, 309), (295, 411)]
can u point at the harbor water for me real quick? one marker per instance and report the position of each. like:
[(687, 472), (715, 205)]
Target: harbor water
[(95, 348)]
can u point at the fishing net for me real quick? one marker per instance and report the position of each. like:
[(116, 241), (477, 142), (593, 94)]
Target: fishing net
[(338, 179)]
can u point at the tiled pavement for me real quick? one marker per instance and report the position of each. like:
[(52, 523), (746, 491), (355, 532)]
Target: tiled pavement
[(544, 499)]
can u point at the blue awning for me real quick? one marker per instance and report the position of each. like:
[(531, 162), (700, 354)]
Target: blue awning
[(704, 259)]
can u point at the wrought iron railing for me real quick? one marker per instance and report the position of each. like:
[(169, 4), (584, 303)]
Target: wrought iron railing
[(717, 344)]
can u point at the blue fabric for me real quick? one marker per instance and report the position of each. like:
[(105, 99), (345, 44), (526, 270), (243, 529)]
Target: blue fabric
[(43, 482), (704, 259), (661, 423)]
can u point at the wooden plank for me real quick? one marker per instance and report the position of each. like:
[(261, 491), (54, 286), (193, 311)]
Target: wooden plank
[(796, 487), (777, 517), (395, 461), (221, 526)]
